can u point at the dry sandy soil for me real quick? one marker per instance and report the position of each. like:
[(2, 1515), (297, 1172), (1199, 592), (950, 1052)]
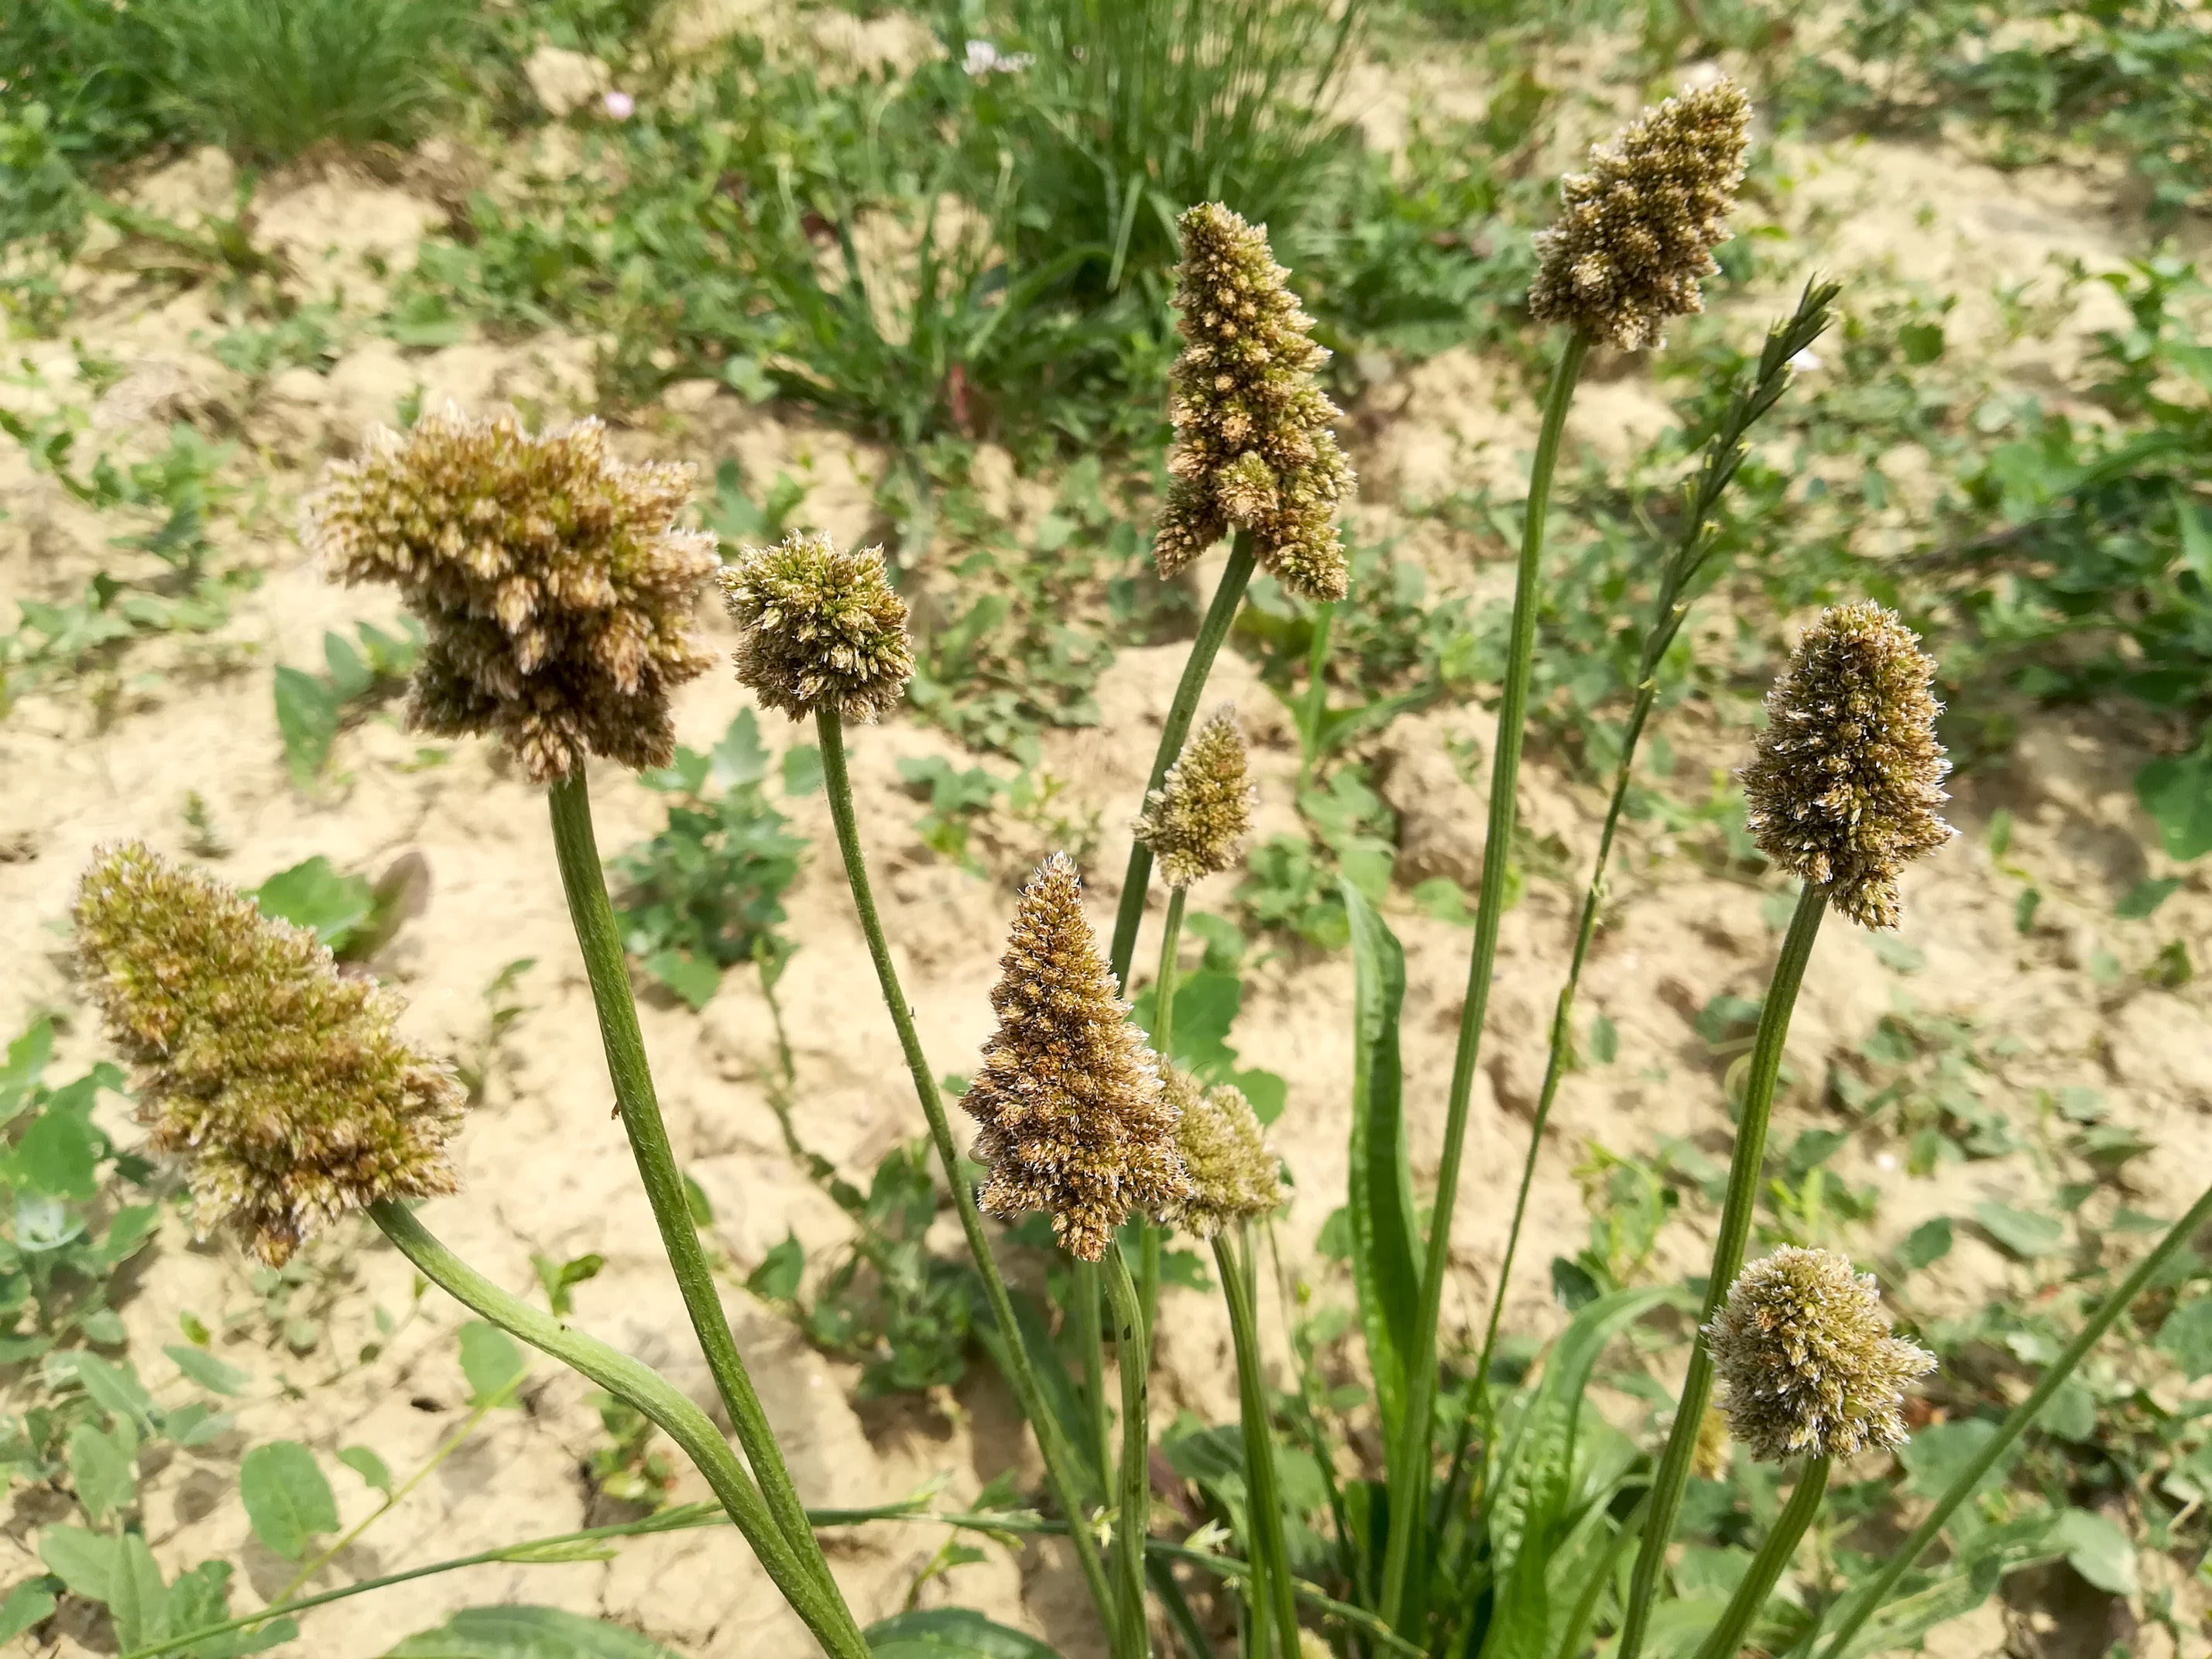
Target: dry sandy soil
[(545, 1167)]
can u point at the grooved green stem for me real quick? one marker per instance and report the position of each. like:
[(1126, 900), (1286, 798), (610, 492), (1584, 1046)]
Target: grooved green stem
[(1091, 1350), (589, 909), (1865, 1601), (1129, 914), (1275, 1596), (1674, 1475), (1409, 1492), (644, 1388), (1059, 1456), (1585, 1611), (1163, 992), (1133, 1363), (1765, 1572)]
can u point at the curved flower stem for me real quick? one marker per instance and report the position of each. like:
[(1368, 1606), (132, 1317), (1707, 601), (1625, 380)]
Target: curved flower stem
[(1272, 1597), (1867, 1600), (1060, 1460), (1410, 1490), (1163, 994), (640, 1387), (1129, 915), (1726, 1638), (1135, 1519), (577, 850), (1673, 1473)]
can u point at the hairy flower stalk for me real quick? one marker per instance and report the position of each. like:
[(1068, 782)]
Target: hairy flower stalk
[(821, 629), (823, 633), (556, 586), (1848, 776), (1856, 763), (278, 1082), (1635, 235), (1074, 1121), (1254, 449)]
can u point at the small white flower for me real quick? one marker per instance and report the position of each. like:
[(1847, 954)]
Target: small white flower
[(1885, 1161), (983, 57), (1807, 361), (619, 105)]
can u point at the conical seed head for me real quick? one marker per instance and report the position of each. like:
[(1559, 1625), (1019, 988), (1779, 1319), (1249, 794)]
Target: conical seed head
[(1074, 1122), (277, 1081), (1808, 1362), (1235, 1175), (1197, 820), (1635, 234), (1846, 782), (1255, 451), (821, 629), (556, 590)]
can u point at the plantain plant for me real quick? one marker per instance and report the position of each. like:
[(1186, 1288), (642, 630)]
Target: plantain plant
[(556, 590)]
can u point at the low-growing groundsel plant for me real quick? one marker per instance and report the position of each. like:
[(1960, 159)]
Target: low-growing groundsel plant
[(558, 592)]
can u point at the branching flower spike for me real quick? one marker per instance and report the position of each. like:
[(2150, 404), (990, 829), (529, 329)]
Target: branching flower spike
[(557, 590), (1197, 820), (1807, 1358), (1848, 775), (1635, 235), (1234, 1174), (821, 627), (276, 1079), (1255, 451), (1074, 1120)]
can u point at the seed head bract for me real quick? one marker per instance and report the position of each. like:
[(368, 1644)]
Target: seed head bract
[(1198, 818), (821, 628)]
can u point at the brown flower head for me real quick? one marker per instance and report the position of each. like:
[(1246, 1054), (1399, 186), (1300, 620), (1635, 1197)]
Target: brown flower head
[(1253, 451), (1635, 234), (1809, 1363), (277, 1080), (1234, 1174), (556, 587), (821, 627), (1074, 1121), (1195, 821), (1844, 783)]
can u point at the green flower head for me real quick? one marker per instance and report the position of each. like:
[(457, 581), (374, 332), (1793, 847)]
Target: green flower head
[(821, 629), (1235, 1175), (1844, 782), (556, 587), (1808, 1361), (1195, 821), (1254, 449), (1074, 1122), (1635, 235), (277, 1080)]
